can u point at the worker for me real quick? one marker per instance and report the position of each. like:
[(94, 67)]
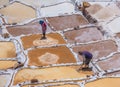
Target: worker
[(87, 56), (44, 28)]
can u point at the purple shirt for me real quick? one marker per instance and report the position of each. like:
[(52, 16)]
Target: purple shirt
[(87, 54)]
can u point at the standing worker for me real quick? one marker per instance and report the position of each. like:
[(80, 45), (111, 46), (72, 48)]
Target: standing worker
[(44, 28), (87, 56)]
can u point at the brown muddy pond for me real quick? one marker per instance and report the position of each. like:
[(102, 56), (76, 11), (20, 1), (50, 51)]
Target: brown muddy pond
[(106, 82), (34, 40), (5, 79), (68, 21), (48, 74), (50, 55)]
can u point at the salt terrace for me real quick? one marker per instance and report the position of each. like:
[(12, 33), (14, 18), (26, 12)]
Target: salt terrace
[(28, 61)]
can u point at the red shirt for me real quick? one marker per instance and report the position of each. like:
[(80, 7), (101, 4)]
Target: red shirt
[(44, 27)]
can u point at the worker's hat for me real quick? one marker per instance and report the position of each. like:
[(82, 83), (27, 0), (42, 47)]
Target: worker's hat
[(41, 22)]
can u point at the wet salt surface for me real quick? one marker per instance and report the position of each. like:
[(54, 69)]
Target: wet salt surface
[(107, 82), (118, 35), (42, 2), (27, 29), (114, 25), (116, 73), (111, 63), (61, 85), (66, 21), (65, 8), (118, 4), (98, 49), (83, 35), (51, 2)]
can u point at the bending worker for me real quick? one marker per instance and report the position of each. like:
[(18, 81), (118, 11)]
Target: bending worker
[(87, 56)]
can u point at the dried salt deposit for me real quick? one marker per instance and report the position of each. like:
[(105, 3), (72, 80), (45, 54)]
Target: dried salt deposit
[(114, 25), (15, 10), (109, 13), (94, 8), (8, 50), (64, 8), (47, 74), (4, 2), (107, 82), (48, 58), (7, 64), (4, 80), (45, 42)]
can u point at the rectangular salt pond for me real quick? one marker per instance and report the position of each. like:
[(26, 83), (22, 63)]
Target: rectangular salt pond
[(51, 2), (114, 25), (3, 2), (42, 2), (5, 80), (110, 12), (57, 10), (7, 50)]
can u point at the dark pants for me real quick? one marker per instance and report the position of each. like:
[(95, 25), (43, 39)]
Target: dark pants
[(43, 37), (87, 61), (43, 34)]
